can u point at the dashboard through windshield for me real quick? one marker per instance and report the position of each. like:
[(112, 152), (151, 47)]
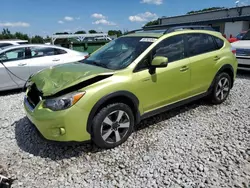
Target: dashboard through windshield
[(120, 53)]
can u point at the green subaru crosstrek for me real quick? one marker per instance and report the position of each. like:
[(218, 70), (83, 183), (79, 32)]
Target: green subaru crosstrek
[(136, 76)]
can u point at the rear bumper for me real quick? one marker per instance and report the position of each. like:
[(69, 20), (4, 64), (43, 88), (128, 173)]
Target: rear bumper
[(243, 63)]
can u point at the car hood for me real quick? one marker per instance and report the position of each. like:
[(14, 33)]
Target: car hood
[(52, 80), (241, 44)]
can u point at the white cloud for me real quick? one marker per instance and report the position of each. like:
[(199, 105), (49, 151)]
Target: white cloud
[(104, 22), (60, 22), (242, 3), (156, 2), (98, 16), (143, 17), (14, 24), (68, 18)]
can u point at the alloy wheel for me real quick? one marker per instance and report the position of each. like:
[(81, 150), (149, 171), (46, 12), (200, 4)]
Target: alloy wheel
[(223, 88), (115, 126)]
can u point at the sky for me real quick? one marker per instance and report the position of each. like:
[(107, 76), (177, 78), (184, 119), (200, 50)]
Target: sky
[(45, 17)]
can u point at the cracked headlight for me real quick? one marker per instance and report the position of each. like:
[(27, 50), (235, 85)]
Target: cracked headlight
[(63, 102)]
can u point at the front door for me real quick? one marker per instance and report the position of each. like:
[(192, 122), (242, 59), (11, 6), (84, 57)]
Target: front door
[(14, 68), (169, 84)]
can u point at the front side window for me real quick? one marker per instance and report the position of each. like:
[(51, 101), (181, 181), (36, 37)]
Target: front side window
[(119, 53), (172, 48), (15, 54), (200, 43)]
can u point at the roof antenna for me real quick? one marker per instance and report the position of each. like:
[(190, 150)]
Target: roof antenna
[(237, 3)]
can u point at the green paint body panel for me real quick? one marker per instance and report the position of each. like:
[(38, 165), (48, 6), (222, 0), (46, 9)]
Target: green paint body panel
[(167, 86), (59, 77)]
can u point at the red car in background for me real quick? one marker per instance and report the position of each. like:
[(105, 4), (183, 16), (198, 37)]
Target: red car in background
[(238, 37)]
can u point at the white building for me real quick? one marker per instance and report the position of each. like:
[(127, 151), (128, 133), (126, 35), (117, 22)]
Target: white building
[(228, 21)]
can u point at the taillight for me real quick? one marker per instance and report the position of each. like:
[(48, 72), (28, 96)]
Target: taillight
[(86, 56), (233, 50)]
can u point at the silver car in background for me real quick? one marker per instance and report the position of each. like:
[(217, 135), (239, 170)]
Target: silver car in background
[(18, 62)]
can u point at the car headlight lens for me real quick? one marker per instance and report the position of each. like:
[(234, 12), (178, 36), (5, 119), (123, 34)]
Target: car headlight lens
[(63, 102)]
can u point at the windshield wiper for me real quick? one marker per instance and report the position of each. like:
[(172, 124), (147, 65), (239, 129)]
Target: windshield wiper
[(97, 63)]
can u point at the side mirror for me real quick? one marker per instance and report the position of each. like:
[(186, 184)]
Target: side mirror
[(2, 58), (159, 61)]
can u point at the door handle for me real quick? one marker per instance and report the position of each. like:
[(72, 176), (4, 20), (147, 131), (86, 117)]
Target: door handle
[(216, 58), (56, 59), (22, 64), (184, 68)]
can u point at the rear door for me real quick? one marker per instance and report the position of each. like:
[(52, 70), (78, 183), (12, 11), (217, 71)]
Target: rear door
[(14, 68), (43, 57), (203, 54)]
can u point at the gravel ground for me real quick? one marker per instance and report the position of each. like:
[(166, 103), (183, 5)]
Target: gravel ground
[(198, 145)]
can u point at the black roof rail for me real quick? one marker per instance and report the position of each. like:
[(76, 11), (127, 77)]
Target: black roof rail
[(192, 27), (171, 29)]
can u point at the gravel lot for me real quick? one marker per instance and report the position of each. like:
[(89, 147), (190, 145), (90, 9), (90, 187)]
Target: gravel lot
[(198, 145)]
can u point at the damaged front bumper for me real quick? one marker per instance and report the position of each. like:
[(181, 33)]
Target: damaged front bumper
[(65, 126)]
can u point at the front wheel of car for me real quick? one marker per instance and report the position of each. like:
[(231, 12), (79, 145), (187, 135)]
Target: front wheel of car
[(221, 88), (112, 125)]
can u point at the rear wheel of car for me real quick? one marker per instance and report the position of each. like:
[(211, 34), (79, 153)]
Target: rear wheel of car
[(112, 125), (221, 88)]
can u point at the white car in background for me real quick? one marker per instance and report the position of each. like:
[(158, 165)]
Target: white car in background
[(242, 48), (10, 42), (18, 62)]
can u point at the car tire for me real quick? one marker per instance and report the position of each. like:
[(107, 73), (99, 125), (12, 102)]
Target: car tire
[(221, 88), (112, 125)]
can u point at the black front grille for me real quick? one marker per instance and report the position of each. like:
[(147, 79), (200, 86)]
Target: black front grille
[(33, 96)]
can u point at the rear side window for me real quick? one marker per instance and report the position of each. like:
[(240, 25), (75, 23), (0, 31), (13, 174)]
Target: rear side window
[(219, 42), (46, 51), (59, 51), (200, 44)]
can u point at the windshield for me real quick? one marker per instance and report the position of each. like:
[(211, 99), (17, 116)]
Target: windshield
[(119, 53), (246, 36)]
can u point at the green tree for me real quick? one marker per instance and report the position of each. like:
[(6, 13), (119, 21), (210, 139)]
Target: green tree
[(92, 31), (37, 39), (80, 32), (47, 39), (115, 32), (21, 36), (154, 22), (61, 33), (6, 34), (205, 9)]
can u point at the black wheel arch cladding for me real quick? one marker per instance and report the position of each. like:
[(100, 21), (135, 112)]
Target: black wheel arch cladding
[(225, 68), (133, 100)]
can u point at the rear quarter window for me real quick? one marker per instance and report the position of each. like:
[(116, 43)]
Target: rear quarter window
[(219, 42)]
